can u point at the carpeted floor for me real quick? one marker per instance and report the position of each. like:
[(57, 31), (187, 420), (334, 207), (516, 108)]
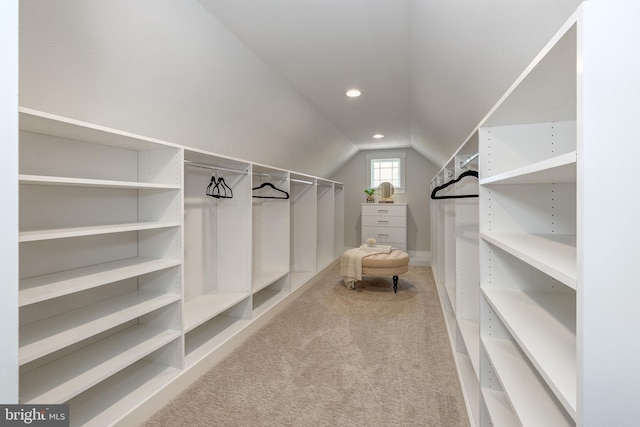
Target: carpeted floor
[(336, 357)]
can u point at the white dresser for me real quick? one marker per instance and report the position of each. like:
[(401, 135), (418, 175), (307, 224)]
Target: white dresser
[(385, 222)]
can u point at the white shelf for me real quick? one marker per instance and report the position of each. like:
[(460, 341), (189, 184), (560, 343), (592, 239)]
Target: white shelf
[(45, 336), (63, 127), (531, 400), (451, 294), (200, 309), (469, 381), (499, 409), (92, 230), (553, 254), (447, 312), (69, 376), (297, 278), (92, 183), (560, 169), (265, 299), (107, 402), (41, 288), (202, 341), (544, 325), (263, 279), (470, 331)]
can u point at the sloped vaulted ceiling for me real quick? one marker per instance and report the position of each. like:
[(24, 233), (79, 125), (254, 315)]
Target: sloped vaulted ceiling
[(264, 80), (429, 70)]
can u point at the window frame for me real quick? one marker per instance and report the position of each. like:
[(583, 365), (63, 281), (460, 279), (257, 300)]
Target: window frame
[(382, 155)]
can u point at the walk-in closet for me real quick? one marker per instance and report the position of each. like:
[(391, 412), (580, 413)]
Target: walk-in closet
[(440, 194)]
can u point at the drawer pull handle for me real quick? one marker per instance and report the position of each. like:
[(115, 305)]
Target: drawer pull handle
[(383, 222), (383, 235), (383, 211)]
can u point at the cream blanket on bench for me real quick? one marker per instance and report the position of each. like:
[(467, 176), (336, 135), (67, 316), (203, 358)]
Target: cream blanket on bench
[(351, 262)]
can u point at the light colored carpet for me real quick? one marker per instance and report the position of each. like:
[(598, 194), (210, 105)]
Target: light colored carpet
[(336, 357)]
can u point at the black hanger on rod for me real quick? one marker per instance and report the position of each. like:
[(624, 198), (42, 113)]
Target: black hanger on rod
[(268, 184), (453, 181), (225, 188), (218, 188)]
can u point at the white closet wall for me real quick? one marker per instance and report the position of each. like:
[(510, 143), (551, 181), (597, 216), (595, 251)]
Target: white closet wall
[(537, 277), (131, 275)]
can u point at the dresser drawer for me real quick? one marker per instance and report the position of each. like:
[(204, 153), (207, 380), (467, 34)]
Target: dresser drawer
[(385, 234), (383, 210), (384, 221)]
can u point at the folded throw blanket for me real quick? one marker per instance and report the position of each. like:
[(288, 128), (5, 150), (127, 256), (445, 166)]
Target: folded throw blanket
[(351, 262)]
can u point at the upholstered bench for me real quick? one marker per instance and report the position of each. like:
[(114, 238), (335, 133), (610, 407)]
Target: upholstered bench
[(378, 264)]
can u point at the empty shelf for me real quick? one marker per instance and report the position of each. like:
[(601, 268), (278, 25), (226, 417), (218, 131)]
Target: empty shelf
[(470, 331), (499, 409), (93, 183), (263, 279), (120, 393), (69, 376), (90, 230), (200, 309), (532, 402), (41, 288), (553, 254), (560, 169), (544, 324), (45, 336)]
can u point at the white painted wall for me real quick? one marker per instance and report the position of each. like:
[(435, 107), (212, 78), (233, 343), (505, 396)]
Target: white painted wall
[(9, 192), (169, 70), (419, 172)]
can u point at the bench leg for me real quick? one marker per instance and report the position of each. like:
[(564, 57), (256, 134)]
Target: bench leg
[(395, 284)]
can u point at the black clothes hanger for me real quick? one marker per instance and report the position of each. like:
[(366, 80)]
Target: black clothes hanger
[(268, 184), (218, 188), (228, 192), (453, 181), (212, 187)]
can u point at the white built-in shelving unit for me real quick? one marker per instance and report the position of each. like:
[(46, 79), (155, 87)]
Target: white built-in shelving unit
[(325, 220), (338, 219), (270, 237), (100, 263), (217, 270), (536, 275), (303, 237), (455, 265), (132, 274)]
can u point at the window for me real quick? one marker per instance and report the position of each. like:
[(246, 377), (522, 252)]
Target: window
[(386, 166), (385, 170)]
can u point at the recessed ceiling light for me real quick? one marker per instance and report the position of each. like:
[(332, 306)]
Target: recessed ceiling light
[(353, 93), (378, 136)]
